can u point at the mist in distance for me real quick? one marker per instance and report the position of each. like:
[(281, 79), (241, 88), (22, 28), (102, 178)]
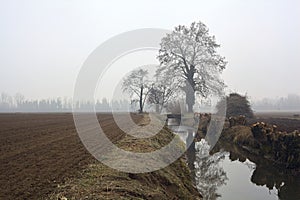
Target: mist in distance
[(44, 44)]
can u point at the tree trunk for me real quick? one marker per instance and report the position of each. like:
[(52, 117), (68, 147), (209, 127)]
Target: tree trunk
[(141, 100), (190, 101), (190, 93), (157, 108)]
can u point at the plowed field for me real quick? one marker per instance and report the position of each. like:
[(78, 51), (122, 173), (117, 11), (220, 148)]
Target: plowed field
[(40, 151)]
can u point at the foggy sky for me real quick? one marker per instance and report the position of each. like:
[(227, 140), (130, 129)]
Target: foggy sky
[(44, 43)]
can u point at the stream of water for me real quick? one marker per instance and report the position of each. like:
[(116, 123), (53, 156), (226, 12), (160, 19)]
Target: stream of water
[(231, 173)]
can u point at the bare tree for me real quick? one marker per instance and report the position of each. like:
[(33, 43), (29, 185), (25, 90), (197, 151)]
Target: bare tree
[(19, 99), (189, 53), (209, 173), (6, 101), (137, 84), (162, 91)]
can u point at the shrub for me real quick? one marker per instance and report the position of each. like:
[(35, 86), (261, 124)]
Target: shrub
[(236, 105)]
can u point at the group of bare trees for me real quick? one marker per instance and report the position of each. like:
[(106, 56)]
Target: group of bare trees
[(18, 103), (140, 86), (289, 103), (189, 63)]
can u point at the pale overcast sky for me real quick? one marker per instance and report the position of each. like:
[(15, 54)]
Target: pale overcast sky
[(44, 43)]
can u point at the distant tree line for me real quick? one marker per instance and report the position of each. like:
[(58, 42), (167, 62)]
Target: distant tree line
[(288, 103), (18, 103)]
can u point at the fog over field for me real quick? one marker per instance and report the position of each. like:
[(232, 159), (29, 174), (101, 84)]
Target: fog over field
[(136, 99), (44, 43)]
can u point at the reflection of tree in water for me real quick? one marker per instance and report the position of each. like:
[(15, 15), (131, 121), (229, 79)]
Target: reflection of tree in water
[(265, 173), (209, 174), (287, 184)]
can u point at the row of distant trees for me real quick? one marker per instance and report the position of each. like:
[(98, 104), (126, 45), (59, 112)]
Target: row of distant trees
[(288, 103), (18, 103)]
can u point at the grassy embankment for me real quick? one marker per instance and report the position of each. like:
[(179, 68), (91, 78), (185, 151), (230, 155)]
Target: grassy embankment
[(101, 182)]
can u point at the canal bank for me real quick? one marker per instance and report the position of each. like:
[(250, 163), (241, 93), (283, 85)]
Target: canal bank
[(98, 181), (253, 161)]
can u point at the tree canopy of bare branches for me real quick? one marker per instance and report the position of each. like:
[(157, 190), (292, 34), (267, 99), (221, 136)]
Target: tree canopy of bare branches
[(189, 54), (137, 85)]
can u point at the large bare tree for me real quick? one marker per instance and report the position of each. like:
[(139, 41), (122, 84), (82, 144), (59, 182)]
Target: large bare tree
[(189, 54), (138, 85)]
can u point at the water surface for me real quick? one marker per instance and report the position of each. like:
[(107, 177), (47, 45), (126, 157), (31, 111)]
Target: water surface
[(231, 173)]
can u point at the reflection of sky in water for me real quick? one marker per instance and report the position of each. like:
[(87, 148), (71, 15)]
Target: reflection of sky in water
[(239, 185)]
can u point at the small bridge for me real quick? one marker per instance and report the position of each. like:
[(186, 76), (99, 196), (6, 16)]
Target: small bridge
[(186, 133), (174, 119)]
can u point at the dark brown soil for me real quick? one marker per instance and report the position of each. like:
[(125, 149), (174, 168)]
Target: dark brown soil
[(284, 121), (40, 151)]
